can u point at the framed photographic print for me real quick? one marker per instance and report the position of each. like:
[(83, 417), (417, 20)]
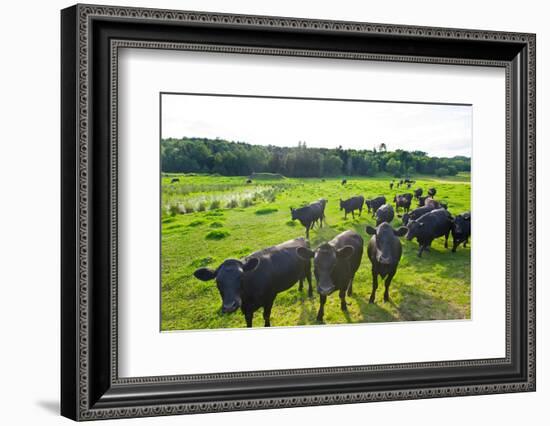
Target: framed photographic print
[(263, 212)]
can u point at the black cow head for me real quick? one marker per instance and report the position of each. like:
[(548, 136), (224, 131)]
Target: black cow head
[(414, 229), (461, 223), (368, 203), (325, 259), (385, 235), (228, 277), (293, 213)]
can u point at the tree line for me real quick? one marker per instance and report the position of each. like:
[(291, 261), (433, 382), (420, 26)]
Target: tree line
[(228, 158)]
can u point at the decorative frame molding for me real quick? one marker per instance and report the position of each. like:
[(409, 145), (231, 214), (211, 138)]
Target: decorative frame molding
[(86, 397)]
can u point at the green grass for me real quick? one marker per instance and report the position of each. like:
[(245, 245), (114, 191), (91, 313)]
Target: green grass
[(434, 287)]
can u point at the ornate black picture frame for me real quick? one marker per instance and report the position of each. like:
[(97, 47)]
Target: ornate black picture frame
[(91, 37)]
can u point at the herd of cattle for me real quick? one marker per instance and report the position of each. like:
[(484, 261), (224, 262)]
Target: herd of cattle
[(255, 281)]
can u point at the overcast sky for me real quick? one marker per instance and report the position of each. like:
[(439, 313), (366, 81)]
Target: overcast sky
[(439, 130)]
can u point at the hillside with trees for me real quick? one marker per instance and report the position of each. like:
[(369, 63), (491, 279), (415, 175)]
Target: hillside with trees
[(228, 158)]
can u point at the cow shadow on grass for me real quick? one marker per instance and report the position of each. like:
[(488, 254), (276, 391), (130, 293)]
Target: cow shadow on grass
[(373, 312), (418, 305)]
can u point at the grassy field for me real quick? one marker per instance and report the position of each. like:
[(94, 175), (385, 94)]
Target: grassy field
[(206, 219)]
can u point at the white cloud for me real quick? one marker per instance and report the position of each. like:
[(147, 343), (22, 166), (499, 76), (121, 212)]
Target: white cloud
[(439, 130)]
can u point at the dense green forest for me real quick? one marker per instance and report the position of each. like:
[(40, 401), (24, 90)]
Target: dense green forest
[(229, 158)]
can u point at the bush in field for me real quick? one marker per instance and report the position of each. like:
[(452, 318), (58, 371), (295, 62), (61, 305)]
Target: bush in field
[(267, 210), (216, 225), (189, 208), (232, 204), (201, 207), (217, 234), (196, 223), (246, 202), (174, 209), (215, 204), (442, 171)]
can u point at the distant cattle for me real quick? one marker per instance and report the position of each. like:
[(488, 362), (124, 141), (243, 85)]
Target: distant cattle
[(432, 192), (391, 184), (409, 185), (401, 182), (344, 181), (408, 180), (384, 251), (384, 214), (308, 215), (175, 180), (434, 204), (352, 204), (375, 203), (415, 214), (461, 230), (403, 201), (249, 181), (417, 193), (335, 264), (434, 224), (255, 281)]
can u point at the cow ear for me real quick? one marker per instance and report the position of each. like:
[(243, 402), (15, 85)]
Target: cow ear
[(205, 274), (401, 231), (251, 264), (305, 253), (370, 230), (345, 252)]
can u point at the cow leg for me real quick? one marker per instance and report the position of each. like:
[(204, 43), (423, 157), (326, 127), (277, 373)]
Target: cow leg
[(248, 318), (374, 285), (420, 250), (465, 242), (447, 239), (307, 231), (455, 245), (387, 285), (267, 312), (360, 211), (343, 304), (345, 215), (353, 214), (321, 313), (308, 277), (301, 285), (350, 286)]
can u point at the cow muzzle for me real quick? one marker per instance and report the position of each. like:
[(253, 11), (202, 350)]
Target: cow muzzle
[(227, 308)]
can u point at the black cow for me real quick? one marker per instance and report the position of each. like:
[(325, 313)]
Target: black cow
[(409, 180), (422, 200), (255, 281), (409, 185), (344, 181), (391, 184), (461, 230), (432, 192), (401, 182), (308, 215), (323, 202), (417, 193), (398, 185), (175, 180), (384, 214), (428, 227), (415, 214), (335, 264), (249, 181), (375, 203), (402, 200), (352, 204), (384, 251), (430, 202)]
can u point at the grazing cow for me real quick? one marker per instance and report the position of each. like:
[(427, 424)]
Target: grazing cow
[(308, 215), (352, 204), (461, 230), (432, 192), (391, 184), (409, 180), (384, 214), (428, 227), (384, 251), (402, 200), (415, 214), (430, 202), (409, 185), (401, 182), (255, 281), (375, 203), (418, 193), (398, 185), (175, 180), (334, 265), (344, 181), (249, 181)]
